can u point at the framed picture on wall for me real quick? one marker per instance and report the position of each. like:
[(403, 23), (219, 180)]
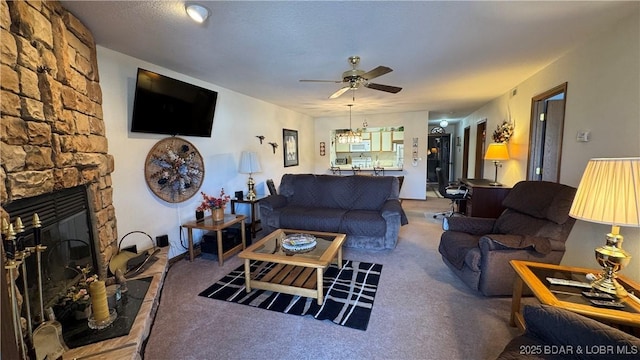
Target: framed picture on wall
[(290, 148)]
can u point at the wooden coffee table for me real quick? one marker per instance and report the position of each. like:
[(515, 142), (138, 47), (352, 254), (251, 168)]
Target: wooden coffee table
[(295, 273), (534, 275)]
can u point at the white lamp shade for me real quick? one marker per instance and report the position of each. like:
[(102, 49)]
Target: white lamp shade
[(609, 192), (497, 152), (249, 163)]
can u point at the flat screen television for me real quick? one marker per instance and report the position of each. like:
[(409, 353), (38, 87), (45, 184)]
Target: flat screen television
[(163, 105)]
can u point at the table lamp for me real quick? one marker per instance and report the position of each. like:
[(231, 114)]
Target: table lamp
[(609, 193), (497, 152), (249, 164)]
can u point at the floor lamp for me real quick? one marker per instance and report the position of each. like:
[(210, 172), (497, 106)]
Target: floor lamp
[(609, 193), (497, 152), (249, 164)]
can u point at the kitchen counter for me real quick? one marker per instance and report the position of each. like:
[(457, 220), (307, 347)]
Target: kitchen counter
[(350, 167)]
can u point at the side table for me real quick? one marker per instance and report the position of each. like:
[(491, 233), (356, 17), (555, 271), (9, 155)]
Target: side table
[(253, 204), (534, 275), (208, 224)]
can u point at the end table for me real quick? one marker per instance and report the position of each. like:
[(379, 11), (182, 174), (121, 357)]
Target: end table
[(208, 224), (253, 204)]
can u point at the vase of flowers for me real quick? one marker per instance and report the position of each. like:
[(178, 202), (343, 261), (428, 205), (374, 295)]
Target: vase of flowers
[(503, 132), (214, 204)]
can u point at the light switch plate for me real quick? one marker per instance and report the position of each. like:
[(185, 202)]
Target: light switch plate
[(583, 135)]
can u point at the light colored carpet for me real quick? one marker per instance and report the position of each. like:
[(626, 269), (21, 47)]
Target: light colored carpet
[(421, 311)]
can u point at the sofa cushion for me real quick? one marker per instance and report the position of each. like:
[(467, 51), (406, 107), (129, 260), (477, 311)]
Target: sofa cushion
[(311, 218), (363, 222), (555, 326)]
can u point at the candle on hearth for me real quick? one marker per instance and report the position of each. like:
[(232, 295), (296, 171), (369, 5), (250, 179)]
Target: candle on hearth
[(99, 305)]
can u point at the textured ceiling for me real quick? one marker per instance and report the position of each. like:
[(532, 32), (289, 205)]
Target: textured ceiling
[(449, 57)]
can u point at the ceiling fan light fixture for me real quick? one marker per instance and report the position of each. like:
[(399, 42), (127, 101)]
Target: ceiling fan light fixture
[(197, 12)]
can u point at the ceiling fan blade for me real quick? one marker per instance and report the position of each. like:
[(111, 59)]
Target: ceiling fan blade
[(379, 71), (387, 88), (339, 92), (329, 81)]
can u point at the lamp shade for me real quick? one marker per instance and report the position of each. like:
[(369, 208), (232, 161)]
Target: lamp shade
[(249, 163), (609, 192), (497, 152)]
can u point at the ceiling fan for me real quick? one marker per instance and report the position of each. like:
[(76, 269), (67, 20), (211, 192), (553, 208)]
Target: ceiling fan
[(355, 78)]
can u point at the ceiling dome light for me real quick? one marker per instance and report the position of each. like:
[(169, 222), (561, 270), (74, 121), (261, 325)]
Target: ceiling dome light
[(197, 12), (444, 123)]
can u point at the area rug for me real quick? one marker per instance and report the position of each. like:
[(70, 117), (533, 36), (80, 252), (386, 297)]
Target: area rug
[(349, 293)]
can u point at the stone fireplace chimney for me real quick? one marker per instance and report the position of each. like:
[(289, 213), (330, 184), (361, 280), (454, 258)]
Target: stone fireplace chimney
[(52, 134)]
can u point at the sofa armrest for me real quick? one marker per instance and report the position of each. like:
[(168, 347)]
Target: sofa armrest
[(273, 202), (559, 327), (539, 244), (469, 225), (393, 208)]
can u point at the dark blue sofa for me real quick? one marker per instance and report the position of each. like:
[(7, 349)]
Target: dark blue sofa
[(365, 208)]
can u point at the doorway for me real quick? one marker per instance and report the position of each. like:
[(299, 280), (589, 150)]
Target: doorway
[(481, 132), (546, 133), (465, 152), (438, 155)]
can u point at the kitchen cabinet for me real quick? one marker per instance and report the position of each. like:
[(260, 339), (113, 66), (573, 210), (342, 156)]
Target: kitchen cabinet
[(342, 147), (385, 141), (375, 141), (366, 136), (398, 136)]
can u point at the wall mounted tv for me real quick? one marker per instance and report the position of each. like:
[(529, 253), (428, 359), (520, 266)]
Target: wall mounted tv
[(163, 105)]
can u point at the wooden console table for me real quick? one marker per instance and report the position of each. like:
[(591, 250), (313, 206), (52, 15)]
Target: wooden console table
[(483, 200)]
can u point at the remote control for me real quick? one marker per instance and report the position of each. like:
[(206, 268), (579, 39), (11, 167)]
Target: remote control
[(604, 303), (576, 283), (597, 295)]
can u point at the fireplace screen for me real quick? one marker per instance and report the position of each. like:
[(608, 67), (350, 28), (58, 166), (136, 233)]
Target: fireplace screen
[(67, 235)]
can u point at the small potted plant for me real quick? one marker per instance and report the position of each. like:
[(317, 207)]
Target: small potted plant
[(214, 204)]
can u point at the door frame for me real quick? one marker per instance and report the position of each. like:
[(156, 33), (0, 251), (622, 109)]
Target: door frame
[(537, 103), (481, 135)]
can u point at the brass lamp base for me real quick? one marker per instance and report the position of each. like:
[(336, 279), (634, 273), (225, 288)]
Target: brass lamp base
[(609, 285), (251, 195), (612, 258)]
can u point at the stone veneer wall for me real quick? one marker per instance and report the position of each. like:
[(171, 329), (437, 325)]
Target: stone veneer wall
[(52, 134)]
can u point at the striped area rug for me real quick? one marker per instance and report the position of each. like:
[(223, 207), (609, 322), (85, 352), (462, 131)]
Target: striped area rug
[(349, 293)]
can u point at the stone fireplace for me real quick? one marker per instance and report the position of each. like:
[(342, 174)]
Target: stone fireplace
[(52, 134)]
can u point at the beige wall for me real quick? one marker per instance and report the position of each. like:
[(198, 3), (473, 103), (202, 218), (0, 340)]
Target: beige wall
[(238, 120), (603, 76)]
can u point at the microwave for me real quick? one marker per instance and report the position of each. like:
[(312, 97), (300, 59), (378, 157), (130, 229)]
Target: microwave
[(365, 145)]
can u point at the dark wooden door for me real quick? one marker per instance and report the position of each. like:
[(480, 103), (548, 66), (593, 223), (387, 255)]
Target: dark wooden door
[(481, 132), (465, 152)]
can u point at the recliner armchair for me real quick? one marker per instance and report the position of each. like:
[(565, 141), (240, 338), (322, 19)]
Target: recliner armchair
[(534, 226)]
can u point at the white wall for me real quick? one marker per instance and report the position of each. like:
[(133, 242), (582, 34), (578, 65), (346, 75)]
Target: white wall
[(238, 120), (415, 125), (603, 76)]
